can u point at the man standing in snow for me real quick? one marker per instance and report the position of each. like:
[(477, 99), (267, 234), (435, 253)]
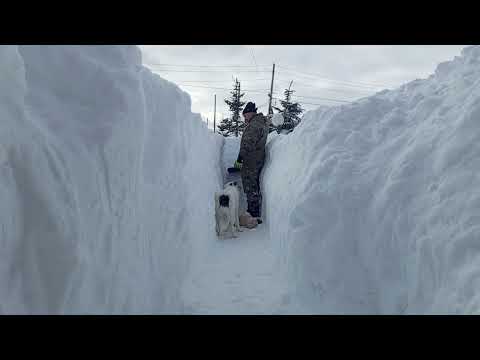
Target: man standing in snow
[(252, 157)]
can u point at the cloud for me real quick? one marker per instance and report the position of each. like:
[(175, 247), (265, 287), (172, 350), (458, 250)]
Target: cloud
[(319, 72)]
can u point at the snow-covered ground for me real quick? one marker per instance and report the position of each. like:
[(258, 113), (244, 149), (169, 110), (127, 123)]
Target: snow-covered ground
[(240, 275), (376, 204), (107, 182)]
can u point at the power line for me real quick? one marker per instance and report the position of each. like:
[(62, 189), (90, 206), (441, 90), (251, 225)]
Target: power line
[(321, 98), (215, 71), (351, 84), (340, 92), (248, 90), (321, 76), (301, 84), (305, 103), (326, 99), (222, 81), (265, 90), (344, 89), (215, 66), (256, 67), (288, 69), (220, 88), (351, 93), (228, 71), (333, 80)]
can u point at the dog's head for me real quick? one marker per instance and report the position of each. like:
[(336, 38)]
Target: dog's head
[(233, 183)]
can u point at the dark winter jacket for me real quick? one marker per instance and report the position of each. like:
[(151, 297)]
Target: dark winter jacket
[(252, 145)]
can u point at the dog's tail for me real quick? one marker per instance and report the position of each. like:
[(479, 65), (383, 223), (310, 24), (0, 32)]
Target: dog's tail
[(224, 200)]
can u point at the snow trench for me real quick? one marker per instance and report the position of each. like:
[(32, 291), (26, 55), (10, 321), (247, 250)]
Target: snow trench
[(107, 181)]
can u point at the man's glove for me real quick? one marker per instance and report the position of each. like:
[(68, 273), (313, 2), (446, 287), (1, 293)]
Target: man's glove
[(237, 165)]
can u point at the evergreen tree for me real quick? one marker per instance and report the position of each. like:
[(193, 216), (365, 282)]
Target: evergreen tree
[(225, 126), (291, 112), (233, 125)]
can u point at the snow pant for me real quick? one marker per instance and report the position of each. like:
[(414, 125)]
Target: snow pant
[(251, 187)]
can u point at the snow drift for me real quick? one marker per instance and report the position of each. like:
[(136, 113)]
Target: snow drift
[(375, 205), (106, 179)]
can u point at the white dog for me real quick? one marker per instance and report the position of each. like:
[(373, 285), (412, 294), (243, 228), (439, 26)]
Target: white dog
[(226, 210)]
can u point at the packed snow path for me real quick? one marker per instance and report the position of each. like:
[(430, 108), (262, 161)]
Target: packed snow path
[(237, 276)]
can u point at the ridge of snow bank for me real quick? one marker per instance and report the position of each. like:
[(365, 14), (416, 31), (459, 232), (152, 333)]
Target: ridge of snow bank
[(97, 160), (375, 204)]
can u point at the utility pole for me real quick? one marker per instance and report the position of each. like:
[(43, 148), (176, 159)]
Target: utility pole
[(270, 111), (214, 112)]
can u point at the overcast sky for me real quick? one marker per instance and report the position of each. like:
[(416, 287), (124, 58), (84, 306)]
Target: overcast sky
[(320, 73)]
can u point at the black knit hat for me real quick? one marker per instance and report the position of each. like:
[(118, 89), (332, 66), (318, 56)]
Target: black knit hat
[(250, 107)]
